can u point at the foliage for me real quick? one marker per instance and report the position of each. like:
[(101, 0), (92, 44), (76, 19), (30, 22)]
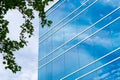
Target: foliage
[(25, 7)]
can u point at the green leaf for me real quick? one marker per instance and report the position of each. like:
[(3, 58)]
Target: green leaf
[(25, 7)]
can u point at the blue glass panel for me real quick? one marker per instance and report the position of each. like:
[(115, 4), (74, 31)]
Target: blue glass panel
[(42, 74), (109, 72), (58, 68), (87, 51)]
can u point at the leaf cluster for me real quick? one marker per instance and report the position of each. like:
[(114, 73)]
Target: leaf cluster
[(25, 7)]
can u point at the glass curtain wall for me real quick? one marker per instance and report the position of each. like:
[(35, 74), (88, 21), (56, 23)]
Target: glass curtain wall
[(83, 42)]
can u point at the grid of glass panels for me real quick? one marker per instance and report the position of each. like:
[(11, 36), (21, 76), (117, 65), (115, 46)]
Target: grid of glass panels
[(83, 41)]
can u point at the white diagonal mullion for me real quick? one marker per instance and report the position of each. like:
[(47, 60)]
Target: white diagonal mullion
[(63, 19), (56, 7), (69, 21), (80, 33), (79, 42), (91, 63), (98, 68)]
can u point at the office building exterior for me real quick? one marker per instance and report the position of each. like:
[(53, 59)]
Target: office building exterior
[(83, 43)]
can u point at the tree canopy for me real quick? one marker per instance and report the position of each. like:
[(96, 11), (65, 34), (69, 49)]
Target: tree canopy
[(25, 7)]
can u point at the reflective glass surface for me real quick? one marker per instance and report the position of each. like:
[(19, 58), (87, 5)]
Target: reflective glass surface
[(80, 40)]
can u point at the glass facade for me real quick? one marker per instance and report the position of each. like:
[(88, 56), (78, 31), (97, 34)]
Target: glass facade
[(83, 43)]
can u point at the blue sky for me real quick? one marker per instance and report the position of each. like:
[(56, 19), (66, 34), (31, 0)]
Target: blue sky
[(27, 57)]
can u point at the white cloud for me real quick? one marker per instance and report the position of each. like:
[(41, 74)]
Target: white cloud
[(27, 57), (109, 75), (15, 19), (114, 3), (70, 31), (101, 77)]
